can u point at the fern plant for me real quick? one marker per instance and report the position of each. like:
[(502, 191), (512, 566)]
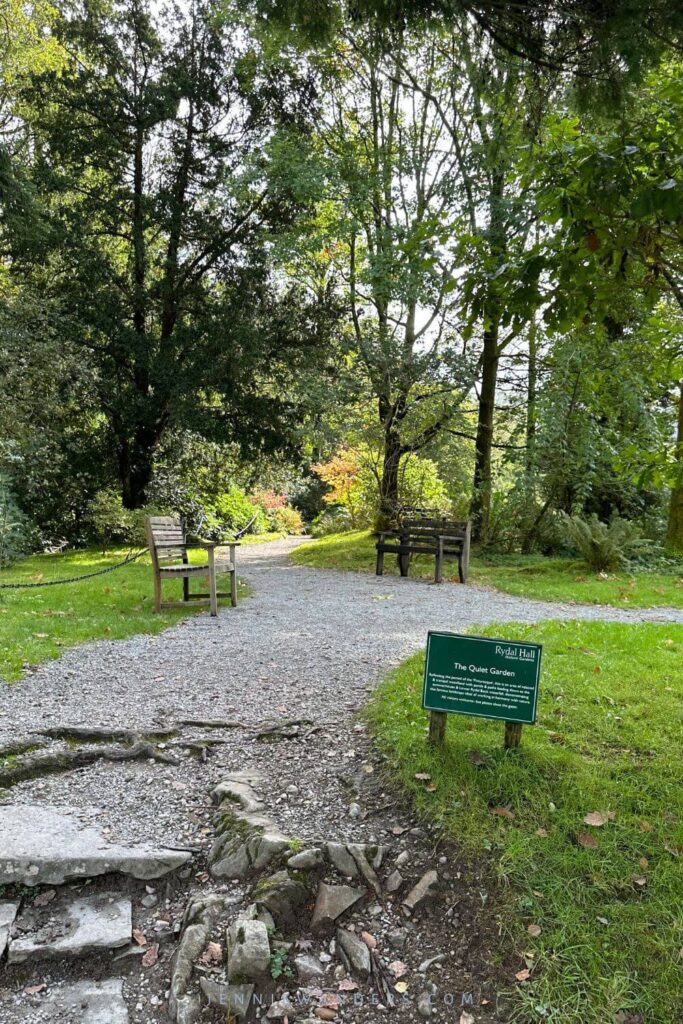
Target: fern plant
[(603, 546)]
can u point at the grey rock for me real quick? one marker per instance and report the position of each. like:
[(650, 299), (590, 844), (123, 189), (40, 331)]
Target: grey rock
[(282, 1008), (360, 856), (306, 860), (198, 920), (424, 1004), (73, 927), (340, 858), (248, 950), (397, 938), (354, 810), (248, 839), (149, 901), (189, 1009), (282, 896), (402, 859), (354, 953), (308, 968), (8, 911), (425, 889), (394, 881), (88, 1002), (49, 845), (235, 999), (426, 964), (331, 903)]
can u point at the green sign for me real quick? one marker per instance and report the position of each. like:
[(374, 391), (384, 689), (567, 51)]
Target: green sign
[(474, 675)]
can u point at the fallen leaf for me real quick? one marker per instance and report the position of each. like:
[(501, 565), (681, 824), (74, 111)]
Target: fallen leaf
[(304, 944), (586, 840), (643, 863), (541, 832), (151, 956), (398, 830), (596, 818), (597, 670), (398, 968), (423, 776), (369, 940), (502, 812), (139, 937), (401, 986), (34, 990), (523, 975), (325, 1013), (640, 881), (645, 826), (348, 985), (476, 757), (43, 898), (602, 920), (432, 787), (534, 930), (466, 1018), (213, 954)]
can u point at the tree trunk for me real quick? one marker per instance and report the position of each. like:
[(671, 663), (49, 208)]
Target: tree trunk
[(480, 509), (388, 491), (136, 464), (674, 533)]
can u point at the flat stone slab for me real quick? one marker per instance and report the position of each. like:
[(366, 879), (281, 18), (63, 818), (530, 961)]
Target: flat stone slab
[(88, 1002), (8, 911), (72, 927), (49, 845)]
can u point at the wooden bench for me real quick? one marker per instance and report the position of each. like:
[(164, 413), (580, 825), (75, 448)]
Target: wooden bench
[(438, 536), (167, 543)]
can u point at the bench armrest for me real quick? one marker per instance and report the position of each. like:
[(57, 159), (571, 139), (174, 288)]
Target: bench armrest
[(205, 544)]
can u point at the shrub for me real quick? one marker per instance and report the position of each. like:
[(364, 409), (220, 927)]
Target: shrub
[(332, 520), (603, 546), (234, 512), (110, 522), (14, 527), (287, 520)]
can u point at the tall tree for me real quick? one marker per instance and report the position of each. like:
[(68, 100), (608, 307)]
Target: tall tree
[(152, 157), (392, 176)]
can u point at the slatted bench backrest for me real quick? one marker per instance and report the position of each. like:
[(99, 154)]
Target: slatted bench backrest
[(165, 538), (430, 528)]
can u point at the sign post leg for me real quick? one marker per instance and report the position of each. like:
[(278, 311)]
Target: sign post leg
[(437, 728), (513, 735)]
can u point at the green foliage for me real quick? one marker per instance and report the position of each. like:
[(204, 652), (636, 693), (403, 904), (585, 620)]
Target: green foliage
[(287, 520), (608, 945), (14, 531), (333, 520), (234, 512), (111, 522), (603, 546)]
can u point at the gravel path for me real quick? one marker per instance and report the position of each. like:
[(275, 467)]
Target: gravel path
[(308, 644), (309, 639)]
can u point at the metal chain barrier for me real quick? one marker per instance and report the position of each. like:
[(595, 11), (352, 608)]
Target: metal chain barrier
[(73, 579)]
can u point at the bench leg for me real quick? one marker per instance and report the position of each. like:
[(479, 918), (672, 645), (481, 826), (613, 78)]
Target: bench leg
[(461, 569), (233, 587), (379, 568), (213, 599), (438, 571), (157, 592), (403, 564)]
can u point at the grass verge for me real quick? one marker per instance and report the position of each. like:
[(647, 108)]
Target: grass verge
[(534, 576), (36, 625), (608, 739)]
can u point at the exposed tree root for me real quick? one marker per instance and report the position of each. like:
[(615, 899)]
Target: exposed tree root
[(48, 762), (213, 723), (287, 729), (103, 734)]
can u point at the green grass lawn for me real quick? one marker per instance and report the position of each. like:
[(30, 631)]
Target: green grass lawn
[(608, 739), (552, 579), (36, 625)]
